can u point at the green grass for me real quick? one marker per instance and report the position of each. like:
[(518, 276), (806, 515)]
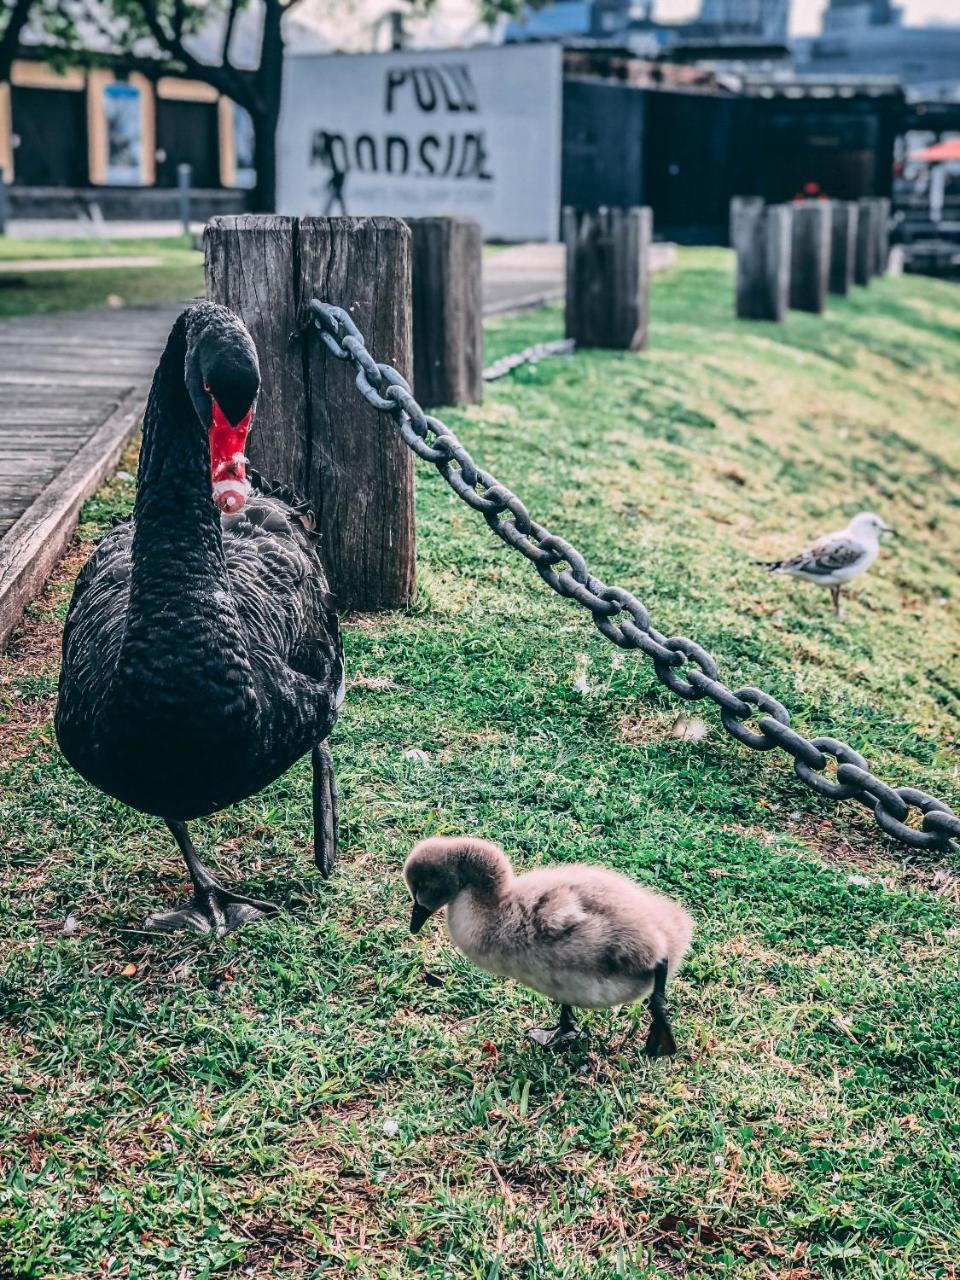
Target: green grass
[(179, 275), (13, 248), (222, 1110)]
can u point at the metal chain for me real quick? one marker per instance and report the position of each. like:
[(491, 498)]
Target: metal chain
[(681, 664), (529, 355)]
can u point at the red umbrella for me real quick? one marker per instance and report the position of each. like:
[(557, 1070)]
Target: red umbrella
[(939, 152)]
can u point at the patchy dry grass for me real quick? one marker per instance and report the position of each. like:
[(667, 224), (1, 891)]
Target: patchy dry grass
[(180, 1108)]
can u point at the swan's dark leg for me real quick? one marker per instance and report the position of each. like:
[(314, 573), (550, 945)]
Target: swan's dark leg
[(660, 1041), (325, 815), (565, 1030), (212, 908)]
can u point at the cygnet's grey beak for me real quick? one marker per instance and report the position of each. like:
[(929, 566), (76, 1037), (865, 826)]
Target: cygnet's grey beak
[(418, 917)]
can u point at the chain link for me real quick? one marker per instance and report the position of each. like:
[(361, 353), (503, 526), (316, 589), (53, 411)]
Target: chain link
[(529, 355), (680, 663)]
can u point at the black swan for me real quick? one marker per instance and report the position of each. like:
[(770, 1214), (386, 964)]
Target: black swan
[(202, 652)]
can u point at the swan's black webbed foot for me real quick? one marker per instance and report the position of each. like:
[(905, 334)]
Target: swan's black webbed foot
[(325, 814), (212, 908), (565, 1031), (660, 1041)]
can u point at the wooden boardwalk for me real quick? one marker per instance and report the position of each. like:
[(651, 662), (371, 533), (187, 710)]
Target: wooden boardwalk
[(72, 388)]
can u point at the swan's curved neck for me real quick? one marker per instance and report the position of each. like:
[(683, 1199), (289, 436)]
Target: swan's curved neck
[(180, 604), (177, 526)]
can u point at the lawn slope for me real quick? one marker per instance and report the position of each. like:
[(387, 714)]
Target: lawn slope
[(295, 1101)]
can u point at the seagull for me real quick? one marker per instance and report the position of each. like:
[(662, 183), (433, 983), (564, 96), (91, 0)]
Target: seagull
[(838, 557)]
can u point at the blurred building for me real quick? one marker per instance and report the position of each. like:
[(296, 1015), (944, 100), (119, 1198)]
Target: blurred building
[(634, 23), (869, 38), (109, 139), (855, 15)]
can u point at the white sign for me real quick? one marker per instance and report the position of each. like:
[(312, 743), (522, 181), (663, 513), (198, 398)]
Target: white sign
[(468, 132)]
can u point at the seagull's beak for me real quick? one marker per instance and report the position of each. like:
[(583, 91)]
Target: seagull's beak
[(892, 532), (418, 917)]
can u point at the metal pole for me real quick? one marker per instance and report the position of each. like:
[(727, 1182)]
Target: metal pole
[(3, 201), (184, 182)]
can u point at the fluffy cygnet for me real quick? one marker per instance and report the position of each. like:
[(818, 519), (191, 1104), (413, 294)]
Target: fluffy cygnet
[(582, 935)]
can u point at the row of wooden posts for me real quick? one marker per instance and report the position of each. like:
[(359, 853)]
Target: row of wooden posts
[(791, 256), (414, 289)]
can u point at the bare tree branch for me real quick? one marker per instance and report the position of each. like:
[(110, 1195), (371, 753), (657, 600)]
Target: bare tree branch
[(228, 32), (225, 79), (10, 40)]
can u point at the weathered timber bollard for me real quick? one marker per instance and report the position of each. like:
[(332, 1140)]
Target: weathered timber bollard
[(761, 238), (447, 310), (810, 255), (608, 277), (843, 245), (312, 431), (865, 263), (882, 233)]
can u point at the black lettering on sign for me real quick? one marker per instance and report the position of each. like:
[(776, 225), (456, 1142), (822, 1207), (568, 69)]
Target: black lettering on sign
[(429, 143), (468, 93), (449, 83), (394, 80), (365, 146), (397, 147), (429, 155), (329, 150), (451, 153), (424, 89)]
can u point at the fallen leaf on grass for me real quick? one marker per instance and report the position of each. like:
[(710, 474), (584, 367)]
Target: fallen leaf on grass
[(128, 970)]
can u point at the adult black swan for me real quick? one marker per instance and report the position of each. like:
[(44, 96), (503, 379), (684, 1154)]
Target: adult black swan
[(201, 653)]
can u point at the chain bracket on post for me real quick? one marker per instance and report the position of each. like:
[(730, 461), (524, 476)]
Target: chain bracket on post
[(565, 571)]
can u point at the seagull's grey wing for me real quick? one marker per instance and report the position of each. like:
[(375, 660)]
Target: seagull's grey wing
[(836, 551)]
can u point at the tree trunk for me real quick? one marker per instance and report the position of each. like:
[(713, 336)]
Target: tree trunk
[(10, 38), (263, 198), (266, 112)]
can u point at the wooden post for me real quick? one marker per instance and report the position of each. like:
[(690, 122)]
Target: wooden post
[(882, 232), (810, 256), (313, 431), (843, 245), (866, 257), (761, 238), (608, 277), (447, 310)]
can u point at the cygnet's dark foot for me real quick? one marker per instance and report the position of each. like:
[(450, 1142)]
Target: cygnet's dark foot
[(660, 1041), (565, 1031), (212, 909)]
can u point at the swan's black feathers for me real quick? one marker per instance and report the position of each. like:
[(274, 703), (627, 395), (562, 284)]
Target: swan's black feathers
[(279, 585), (201, 653)]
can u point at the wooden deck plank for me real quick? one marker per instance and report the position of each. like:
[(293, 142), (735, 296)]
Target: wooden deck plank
[(72, 389)]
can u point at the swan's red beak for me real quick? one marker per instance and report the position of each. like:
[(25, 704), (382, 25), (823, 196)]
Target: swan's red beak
[(228, 461)]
